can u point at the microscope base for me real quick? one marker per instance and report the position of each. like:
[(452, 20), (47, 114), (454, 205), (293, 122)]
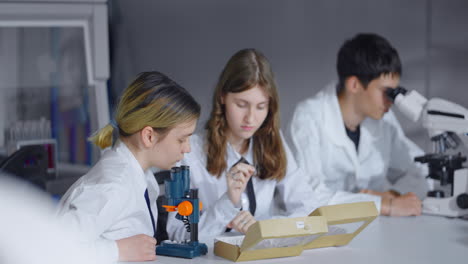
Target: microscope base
[(187, 250), (443, 207), (448, 206)]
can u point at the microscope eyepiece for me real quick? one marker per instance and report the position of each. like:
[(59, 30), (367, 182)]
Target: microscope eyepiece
[(392, 93)]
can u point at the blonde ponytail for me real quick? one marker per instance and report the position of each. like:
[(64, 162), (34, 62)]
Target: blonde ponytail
[(103, 137)]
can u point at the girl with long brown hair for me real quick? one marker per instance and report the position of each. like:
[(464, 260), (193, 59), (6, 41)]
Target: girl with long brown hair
[(241, 160)]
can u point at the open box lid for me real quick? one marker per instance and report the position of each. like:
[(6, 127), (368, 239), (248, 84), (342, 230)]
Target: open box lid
[(347, 213), (345, 221), (267, 231)]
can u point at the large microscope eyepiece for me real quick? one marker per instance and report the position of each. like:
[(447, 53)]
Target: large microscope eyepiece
[(392, 93), (409, 103)]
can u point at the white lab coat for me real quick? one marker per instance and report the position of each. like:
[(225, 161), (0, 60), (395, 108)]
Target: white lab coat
[(108, 203), (293, 197), (336, 171), (29, 231)]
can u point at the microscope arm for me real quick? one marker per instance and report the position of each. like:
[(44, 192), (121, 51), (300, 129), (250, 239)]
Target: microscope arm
[(441, 116)]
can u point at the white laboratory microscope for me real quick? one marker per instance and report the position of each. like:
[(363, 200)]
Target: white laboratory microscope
[(447, 124)]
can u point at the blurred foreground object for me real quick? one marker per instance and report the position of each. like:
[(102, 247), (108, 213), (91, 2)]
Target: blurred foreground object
[(29, 231)]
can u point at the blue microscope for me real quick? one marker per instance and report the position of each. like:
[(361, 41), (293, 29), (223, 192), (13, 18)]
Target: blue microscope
[(184, 201)]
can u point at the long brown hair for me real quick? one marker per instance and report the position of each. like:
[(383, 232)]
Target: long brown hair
[(152, 99), (246, 69)]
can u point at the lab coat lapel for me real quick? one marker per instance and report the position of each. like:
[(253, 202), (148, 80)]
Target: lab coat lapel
[(140, 178), (233, 156), (366, 140), (365, 150), (334, 125)]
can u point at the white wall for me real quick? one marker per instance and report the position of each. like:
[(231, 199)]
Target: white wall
[(192, 40)]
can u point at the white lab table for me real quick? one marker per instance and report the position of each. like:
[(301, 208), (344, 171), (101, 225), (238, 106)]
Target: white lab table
[(424, 239)]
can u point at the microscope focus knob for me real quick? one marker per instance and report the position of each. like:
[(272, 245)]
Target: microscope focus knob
[(462, 201), (185, 208)]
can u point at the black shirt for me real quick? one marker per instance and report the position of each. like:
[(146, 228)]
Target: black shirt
[(354, 136)]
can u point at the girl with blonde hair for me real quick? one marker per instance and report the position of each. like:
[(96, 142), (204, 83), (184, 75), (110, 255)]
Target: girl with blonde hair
[(242, 159), (114, 204)]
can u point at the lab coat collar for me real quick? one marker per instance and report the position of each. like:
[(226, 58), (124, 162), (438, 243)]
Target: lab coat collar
[(233, 156), (335, 127), (142, 178), (334, 124), (367, 138)]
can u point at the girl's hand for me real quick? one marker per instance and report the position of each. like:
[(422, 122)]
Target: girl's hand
[(242, 222), (137, 248), (237, 178)]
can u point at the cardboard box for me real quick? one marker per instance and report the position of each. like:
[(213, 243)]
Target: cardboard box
[(271, 239), (345, 221)]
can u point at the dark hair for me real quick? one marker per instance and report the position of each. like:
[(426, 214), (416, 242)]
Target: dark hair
[(152, 99), (366, 56)]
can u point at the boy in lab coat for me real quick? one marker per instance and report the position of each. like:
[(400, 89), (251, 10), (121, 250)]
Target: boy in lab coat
[(348, 139)]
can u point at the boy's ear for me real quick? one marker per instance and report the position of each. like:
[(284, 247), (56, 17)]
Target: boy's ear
[(353, 85), (148, 136)]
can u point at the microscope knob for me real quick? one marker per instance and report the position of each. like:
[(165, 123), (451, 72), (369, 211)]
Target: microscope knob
[(462, 201), (185, 208), (436, 194)]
